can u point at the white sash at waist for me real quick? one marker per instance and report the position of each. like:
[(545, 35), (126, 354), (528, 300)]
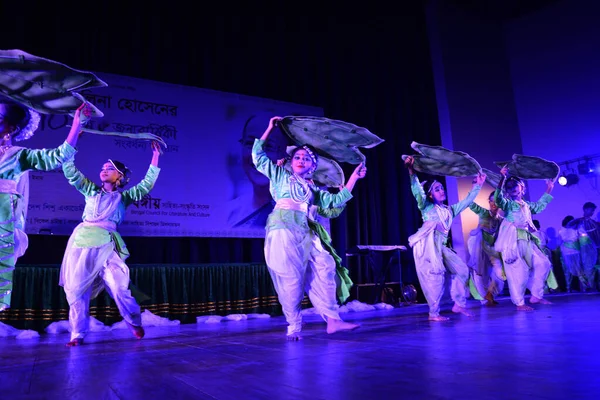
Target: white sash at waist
[(289, 204), (108, 225)]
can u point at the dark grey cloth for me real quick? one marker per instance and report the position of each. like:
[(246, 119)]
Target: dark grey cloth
[(43, 85)]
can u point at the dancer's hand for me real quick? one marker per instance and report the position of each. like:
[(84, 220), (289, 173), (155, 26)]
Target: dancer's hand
[(360, 171), (549, 185), (273, 122), (408, 163), (504, 170), (281, 162), (156, 152), (82, 116), (479, 179)]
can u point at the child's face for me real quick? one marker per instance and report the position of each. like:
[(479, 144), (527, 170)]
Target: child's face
[(109, 174), (437, 193), (302, 162), (515, 191), (588, 212)]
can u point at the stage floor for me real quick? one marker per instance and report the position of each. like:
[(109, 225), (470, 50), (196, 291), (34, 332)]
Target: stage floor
[(552, 353)]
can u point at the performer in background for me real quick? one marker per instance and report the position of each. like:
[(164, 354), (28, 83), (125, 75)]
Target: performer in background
[(589, 242), (570, 255), (542, 237), (95, 256), (294, 255), (518, 246), (484, 262), (433, 257)]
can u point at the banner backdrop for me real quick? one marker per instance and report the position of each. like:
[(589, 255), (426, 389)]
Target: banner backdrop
[(208, 186)]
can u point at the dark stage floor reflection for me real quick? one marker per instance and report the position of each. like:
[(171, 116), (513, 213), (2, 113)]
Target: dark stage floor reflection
[(551, 353)]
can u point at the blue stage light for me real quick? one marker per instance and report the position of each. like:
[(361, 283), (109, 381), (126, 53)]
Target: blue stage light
[(586, 168)]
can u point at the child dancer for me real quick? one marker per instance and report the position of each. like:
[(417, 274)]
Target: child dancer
[(294, 254), (570, 254), (484, 261), (433, 257), (342, 278), (19, 123), (95, 256), (589, 240), (542, 241), (519, 248)]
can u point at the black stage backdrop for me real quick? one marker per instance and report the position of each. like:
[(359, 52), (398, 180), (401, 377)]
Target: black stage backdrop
[(372, 71)]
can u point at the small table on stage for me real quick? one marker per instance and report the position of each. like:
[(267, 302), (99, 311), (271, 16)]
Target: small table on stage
[(379, 273)]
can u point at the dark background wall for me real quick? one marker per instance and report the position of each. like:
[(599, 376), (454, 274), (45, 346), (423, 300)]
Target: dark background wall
[(438, 72), (554, 62)]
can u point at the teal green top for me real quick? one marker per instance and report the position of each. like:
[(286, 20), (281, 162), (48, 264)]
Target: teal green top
[(18, 160), (91, 191), (15, 161), (519, 213), (430, 212), (283, 183), (35, 159), (101, 206)]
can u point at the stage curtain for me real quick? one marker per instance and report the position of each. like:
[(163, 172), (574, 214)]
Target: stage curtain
[(182, 292)]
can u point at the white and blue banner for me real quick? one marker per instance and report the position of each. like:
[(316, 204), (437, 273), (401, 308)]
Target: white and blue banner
[(207, 187)]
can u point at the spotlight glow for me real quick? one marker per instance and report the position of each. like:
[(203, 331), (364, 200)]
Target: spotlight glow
[(562, 180), (568, 179)]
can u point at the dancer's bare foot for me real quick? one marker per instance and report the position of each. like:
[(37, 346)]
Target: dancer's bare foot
[(293, 337), (438, 318), (536, 300), (75, 342), (461, 310), (525, 308), (138, 331), (336, 325)]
